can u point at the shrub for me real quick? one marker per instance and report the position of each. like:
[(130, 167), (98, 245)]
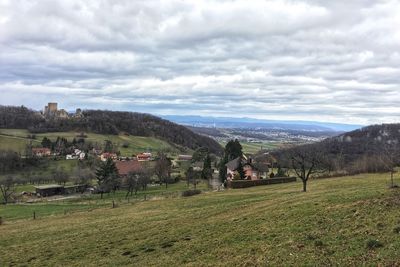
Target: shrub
[(373, 243), (318, 243), (125, 145), (189, 193)]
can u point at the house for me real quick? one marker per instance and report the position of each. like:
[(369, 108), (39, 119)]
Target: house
[(79, 154), (96, 152), (54, 189), (70, 157), (125, 167), (144, 156), (41, 151), (49, 190), (106, 155), (184, 157), (198, 166), (251, 172)]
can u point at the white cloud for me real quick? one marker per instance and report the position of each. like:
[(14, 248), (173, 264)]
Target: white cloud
[(277, 59)]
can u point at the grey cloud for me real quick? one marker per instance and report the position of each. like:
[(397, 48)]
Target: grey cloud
[(280, 59)]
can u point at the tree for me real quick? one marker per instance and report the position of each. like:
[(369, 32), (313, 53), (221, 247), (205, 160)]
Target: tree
[(46, 142), (107, 177), (388, 157), (240, 170), (131, 183), (162, 168), (206, 173), (7, 188), (83, 176), (191, 176), (60, 176), (108, 146), (200, 154), (305, 163), (233, 150)]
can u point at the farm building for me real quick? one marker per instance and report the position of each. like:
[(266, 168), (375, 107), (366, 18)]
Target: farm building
[(49, 190), (252, 171), (41, 151), (54, 189), (107, 155), (144, 156), (185, 157)]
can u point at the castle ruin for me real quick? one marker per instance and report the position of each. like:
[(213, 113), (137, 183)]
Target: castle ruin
[(52, 111)]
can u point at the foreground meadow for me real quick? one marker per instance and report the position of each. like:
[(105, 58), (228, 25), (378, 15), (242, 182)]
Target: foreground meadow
[(341, 221)]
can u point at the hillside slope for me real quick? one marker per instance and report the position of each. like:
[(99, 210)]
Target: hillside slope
[(107, 122), (365, 150), (336, 223), (17, 140)]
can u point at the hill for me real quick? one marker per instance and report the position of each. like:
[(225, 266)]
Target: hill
[(228, 122), (349, 221), (364, 150), (108, 123), (17, 139)]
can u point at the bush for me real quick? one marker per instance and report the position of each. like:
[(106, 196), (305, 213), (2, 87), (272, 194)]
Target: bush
[(189, 193), (373, 243), (125, 145)]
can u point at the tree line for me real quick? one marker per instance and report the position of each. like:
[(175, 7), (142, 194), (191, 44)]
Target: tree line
[(107, 122)]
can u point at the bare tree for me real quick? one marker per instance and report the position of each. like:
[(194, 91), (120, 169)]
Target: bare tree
[(60, 176), (306, 162), (7, 188), (83, 176), (162, 168), (191, 177), (131, 182), (136, 180), (388, 157)]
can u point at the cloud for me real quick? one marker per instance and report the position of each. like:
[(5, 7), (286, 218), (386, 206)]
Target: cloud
[(335, 61)]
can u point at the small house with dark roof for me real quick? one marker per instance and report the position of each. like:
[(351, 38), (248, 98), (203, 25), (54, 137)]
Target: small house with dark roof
[(185, 157)]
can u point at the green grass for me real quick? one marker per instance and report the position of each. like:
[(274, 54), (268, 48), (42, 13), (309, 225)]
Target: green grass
[(45, 208), (252, 148), (334, 223), (16, 139), (16, 144)]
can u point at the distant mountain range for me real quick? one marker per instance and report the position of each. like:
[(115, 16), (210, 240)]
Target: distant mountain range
[(228, 122)]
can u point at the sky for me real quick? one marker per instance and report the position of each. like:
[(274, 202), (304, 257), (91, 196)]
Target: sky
[(333, 61)]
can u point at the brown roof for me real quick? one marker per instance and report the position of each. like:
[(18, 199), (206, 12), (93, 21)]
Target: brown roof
[(40, 150), (233, 164), (125, 167)]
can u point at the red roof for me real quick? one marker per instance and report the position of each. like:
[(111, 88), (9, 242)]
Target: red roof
[(109, 155), (125, 167), (41, 150)]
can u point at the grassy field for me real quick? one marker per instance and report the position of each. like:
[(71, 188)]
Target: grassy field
[(45, 208), (341, 221), (16, 139), (252, 148)]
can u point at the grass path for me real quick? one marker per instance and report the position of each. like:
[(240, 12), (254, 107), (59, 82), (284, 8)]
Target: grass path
[(270, 225)]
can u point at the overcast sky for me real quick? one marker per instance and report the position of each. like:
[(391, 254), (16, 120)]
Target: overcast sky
[(336, 61)]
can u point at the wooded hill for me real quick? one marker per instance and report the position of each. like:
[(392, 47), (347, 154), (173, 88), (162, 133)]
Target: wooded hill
[(370, 149), (107, 122)]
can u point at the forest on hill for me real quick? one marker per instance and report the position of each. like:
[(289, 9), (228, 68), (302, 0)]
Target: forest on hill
[(373, 148), (107, 122)]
